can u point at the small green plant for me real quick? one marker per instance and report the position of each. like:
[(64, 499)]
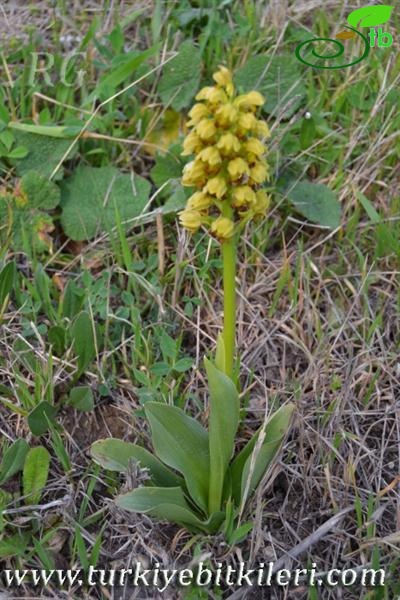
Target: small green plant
[(194, 477)]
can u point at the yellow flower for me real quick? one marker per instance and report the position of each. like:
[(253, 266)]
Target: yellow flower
[(238, 167), (204, 93), (261, 205), (226, 114), (222, 228), (259, 173), (192, 143), (223, 76), (193, 173), (198, 112), (262, 129), (254, 146), (228, 143), (206, 129), (247, 121), (243, 195), (217, 96), (199, 201), (190, 219), (250, 100), (210, 155), (216, 186)]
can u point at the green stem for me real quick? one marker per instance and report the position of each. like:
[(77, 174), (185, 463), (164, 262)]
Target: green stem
[(229, 272)]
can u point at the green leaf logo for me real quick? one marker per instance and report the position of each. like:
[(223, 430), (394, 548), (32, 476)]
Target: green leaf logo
[(370, 16)]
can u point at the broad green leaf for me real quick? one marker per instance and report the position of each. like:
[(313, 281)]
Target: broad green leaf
[(83, 341), (278, 78), (57, 337), (223, 424), (44, 152), (7, 279), (167, 504), (35, 473), (81, 398), (167, 166), (181, 77), (317, 203), (181, 443), (39, 191), (275, 431), (39, 417), (92, 198), (115, 455), (72, 300), (370, 16), (13, 460)]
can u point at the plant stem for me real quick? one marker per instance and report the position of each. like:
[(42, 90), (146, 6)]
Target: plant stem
[(229, 272)]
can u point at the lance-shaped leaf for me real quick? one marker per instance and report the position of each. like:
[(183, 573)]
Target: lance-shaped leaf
[(370, 16), (7, 279), (115, 455), (223, 424), (35, 474), (181, 443), (247, 469), (167, 504), (13, 460)]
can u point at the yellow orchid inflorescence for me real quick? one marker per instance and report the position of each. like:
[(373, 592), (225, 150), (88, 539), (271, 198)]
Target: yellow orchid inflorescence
[(229, 165)]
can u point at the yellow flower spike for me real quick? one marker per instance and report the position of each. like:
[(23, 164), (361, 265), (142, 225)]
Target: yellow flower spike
[(198, 112), (259, 173), (223, 228), (190, 220), (228, 143), (206, 129), (210, 155), (216, 186), (262, 203), (199, 201), (226, 114), (191, 144), (254, 146), (243, 195), (238, 167)]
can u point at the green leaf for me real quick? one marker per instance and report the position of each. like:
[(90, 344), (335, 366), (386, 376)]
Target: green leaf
[(317, 203), (83, 341), (278, 78), (81, 398), (13, 460), (223, 424), (181, 443), (167, 166), (7, 279), (39, 417), (220, 354), (181, 77), (245, 464), (44, 152), (40, 192), (36, 471), (168, 504), (57, 338), (370, 16), (92, 197), (240, 533), (115, 455), (18, 152)]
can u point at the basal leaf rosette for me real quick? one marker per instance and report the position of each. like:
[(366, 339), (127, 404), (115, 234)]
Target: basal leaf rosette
[(229, 166)]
